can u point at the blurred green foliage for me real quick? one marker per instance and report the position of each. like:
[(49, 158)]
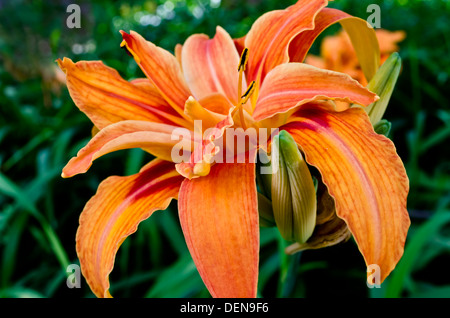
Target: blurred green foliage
[(40, 129)]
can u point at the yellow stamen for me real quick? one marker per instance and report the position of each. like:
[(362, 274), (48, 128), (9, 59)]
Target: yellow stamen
[(241, 70), (248, 93), (243, 99)]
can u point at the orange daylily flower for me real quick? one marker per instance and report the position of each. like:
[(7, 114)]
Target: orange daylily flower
[(226, 86), (337, 53)]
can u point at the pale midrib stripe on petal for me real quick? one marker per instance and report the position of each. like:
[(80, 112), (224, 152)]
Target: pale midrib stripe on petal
[(217, 85), (118, 212)]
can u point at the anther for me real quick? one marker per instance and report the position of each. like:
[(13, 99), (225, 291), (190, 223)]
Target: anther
[(243, 61), (248, 93), (241, 69)]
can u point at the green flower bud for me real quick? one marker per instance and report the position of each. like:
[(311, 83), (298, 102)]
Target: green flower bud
[(383, 84), (383, 127), (293, 193), (330, 229)]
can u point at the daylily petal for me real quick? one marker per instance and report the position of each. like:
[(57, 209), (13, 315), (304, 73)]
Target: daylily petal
[(196, 111), (153, 137), (115, 212), (270, 35), (216, 103), (240, 44), (207, 151), (362, 36), (219, 218), (210, 65), (105, 97), (363, 174), (161, 67), (177, 52), (293, 84)]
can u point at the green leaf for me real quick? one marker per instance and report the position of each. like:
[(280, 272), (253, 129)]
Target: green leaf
[(433, 292), (413, 251), (179, 280)]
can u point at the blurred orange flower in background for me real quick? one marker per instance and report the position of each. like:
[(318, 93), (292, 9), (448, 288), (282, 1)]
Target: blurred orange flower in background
[(337, 53)]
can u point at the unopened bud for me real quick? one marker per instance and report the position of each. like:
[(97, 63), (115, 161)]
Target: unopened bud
[(383, 127), (293, 193), (383, 84)]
